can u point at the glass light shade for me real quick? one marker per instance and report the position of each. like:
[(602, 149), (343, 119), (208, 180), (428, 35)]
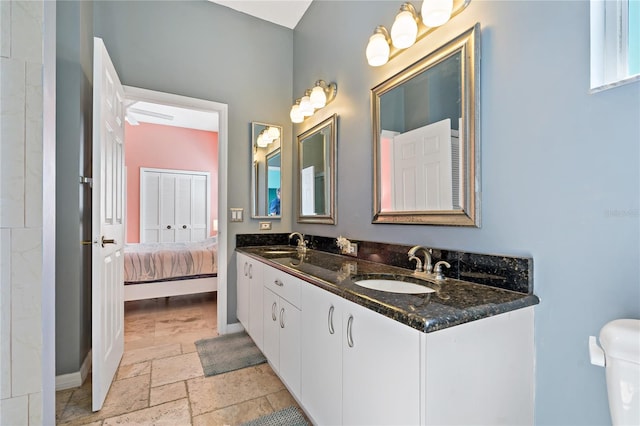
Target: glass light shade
[(274, 133), (436, 12), (404, 30), (377, 50), (295, 114), (261, 141), (318, 98), (306, 109)]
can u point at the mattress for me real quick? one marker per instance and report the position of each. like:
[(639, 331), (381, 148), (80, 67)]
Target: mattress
[(153, 262)]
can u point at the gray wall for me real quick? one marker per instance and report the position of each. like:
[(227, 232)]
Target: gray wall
[(203, 50), (74, 56), (560, 175)]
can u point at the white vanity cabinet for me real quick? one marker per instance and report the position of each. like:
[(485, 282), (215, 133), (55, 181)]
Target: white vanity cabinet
[(358, 366), (349, 365), (322, 341), (250, 301), (281, 321)]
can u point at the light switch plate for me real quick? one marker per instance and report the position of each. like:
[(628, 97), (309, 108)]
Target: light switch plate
[(265, 226), (236, 214)]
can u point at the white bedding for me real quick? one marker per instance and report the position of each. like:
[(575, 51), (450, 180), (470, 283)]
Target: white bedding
[(151, 262)]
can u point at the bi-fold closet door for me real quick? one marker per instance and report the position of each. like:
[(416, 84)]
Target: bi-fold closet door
[(174, 205)]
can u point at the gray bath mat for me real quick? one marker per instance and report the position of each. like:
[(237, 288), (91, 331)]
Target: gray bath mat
[(290, 416), (228, 353)]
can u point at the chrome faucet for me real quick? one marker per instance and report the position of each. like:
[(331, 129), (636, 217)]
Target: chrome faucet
[(427, 269), (302, 244)]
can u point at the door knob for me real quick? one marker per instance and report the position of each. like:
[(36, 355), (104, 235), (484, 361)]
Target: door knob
[(107, 241)]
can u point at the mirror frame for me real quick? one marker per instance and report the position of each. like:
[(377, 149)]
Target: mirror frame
[(468, 43), (329, 218), (254, 171)]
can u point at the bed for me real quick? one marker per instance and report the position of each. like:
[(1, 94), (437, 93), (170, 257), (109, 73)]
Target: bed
[(170, 269)]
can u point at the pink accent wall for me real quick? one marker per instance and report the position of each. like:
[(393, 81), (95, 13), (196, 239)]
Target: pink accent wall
[(167, 147)]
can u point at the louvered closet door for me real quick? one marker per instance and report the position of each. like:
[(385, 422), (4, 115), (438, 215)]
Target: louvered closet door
[(168, 204), (199, 215), (150, 207), (174, 206)]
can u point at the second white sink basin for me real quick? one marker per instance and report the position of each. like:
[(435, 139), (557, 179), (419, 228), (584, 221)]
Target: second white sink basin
[(393, 286)]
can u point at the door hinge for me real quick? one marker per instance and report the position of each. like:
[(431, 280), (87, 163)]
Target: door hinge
[(86, 180)]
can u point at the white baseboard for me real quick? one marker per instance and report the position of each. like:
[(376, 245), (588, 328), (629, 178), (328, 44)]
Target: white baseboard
[(236, 327), (74, 380)]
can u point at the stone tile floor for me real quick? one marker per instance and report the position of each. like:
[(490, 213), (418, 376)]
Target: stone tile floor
[(160, 379)]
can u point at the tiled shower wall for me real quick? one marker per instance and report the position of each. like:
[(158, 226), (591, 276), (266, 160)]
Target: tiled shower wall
[(21, 219)]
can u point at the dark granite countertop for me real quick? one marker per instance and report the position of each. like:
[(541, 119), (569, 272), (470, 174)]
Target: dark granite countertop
[(454, 302)]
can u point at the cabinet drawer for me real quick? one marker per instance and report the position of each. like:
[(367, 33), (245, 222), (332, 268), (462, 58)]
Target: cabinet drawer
[(283, 284)]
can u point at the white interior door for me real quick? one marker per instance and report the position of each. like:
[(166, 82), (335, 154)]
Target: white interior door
[(307, 177), (107, 224), (422, 165)]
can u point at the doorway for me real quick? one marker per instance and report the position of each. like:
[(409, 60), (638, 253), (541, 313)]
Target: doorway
[(213, 111)]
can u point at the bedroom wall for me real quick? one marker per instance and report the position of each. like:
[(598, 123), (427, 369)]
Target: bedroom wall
[(560, 170), (167, 147)]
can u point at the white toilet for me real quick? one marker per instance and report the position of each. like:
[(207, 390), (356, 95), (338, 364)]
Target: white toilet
[(620, 355)]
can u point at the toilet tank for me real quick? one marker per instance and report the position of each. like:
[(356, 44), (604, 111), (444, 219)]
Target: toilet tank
[(620, 340)]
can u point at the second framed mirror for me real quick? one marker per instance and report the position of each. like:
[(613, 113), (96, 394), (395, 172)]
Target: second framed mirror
[(317, 173), (266, 178)]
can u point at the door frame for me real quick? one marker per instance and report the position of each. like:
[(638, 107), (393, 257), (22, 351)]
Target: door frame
[(146, 95)]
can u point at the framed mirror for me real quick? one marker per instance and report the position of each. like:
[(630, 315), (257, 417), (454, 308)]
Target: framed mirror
[(266, 177), (426, 138), (317, 173)]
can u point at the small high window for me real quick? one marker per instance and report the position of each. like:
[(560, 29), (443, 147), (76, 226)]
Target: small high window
[(615, 43)]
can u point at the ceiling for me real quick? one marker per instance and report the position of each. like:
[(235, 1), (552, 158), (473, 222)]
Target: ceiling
[(286, 13), (282, 12)]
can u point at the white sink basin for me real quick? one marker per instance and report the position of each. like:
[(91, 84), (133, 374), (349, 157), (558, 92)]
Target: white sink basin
[(393, 286)]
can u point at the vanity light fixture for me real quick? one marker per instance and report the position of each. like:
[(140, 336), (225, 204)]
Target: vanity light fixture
[(305, 104), (436, 12), (405, 28), (295, 114), (313, 99), (378, 48), (267, 136), (408, 28)]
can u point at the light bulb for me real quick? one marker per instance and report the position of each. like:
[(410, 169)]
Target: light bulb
[(436, 12), (306, 109), (273, 132), (404, 30), (318, 97), (261, 141), (377, 49), (295, 114)]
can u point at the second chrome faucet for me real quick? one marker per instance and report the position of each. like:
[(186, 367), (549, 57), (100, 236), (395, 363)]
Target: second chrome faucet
[(413, 255), (427, 270), (302, 244)]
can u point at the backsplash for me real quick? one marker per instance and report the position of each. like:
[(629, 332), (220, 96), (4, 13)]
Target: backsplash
[(506, 272)]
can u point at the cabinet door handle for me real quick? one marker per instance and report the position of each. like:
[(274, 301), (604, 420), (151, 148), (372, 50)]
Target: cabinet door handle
[(184, 226), (282, 318), (168, 226), (251, 271), (330, 320), (278, 283), (350, 331), (245, 268), (273, 311)]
